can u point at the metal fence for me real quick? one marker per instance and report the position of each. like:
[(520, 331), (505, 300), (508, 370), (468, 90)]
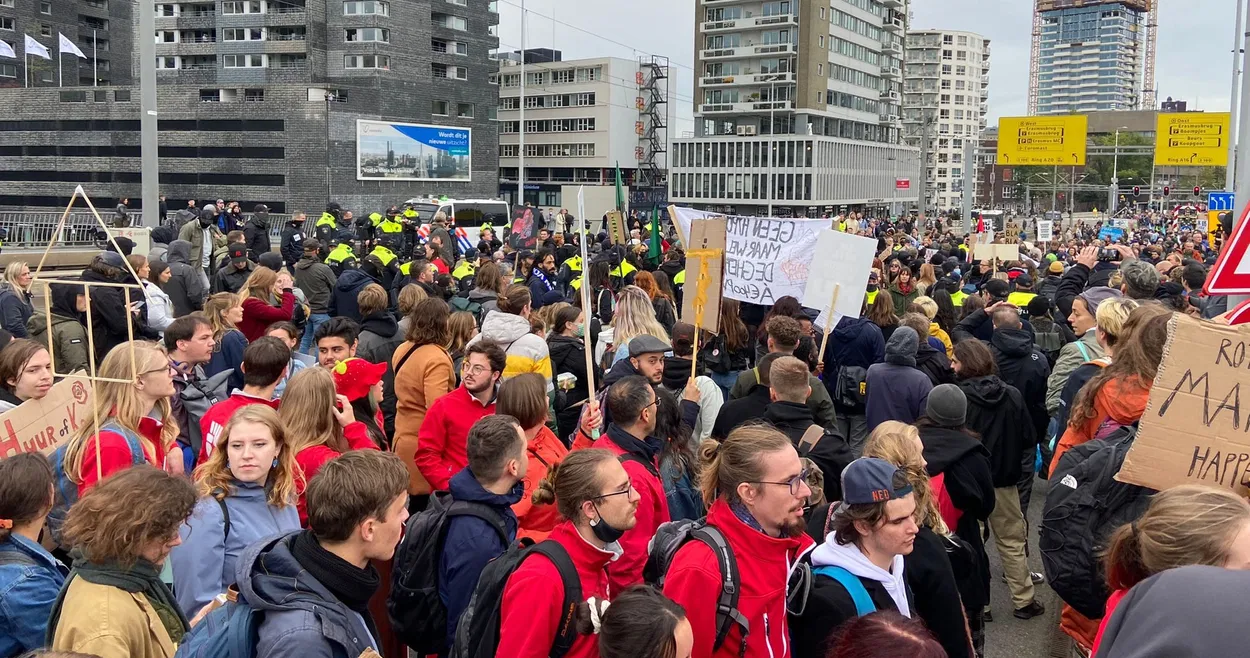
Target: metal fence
[(30, 230)]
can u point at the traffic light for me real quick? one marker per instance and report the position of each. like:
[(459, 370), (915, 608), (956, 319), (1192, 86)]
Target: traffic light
[(1197, 190), (1136, 190), (1166, 190)]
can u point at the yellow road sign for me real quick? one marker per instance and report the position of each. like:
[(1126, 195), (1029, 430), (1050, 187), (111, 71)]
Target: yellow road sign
[(1048, 140), (1198, 139)]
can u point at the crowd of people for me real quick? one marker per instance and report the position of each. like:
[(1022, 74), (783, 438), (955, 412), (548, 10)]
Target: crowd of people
[(328, 455)]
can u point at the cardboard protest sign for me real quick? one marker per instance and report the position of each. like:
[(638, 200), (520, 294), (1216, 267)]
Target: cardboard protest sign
[(617, 232), (141, 235), (43, 425), (1194, 429), (1045, 230), (766, 258), (1003, 252), (706, 240), (845, 261)]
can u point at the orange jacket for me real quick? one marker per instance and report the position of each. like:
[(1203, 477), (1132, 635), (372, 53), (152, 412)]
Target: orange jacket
[(1121, 401), (537, 521)]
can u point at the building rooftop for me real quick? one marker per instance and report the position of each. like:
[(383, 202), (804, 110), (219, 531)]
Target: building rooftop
[(1051, 5)]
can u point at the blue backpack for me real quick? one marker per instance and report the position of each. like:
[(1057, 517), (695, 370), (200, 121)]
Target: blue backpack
[(230, 631), (853, 586), (67, 489)]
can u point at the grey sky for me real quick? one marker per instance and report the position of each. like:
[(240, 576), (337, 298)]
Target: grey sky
[(1193, 63)]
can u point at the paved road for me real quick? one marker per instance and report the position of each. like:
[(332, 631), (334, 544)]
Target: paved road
[(1006, 636)]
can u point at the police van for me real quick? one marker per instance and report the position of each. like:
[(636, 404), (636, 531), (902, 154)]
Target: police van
[(465, 215)]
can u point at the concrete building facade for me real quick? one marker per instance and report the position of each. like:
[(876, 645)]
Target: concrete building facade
[(797, 108), (1091, 55), (945, 99), (101, 29)]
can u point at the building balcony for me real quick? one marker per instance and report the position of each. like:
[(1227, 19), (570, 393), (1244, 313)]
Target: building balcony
[(745, 79), (889, 95), (892, 49), (891, 72), (781, 19), (892, 4), (745, 108), (749, 50), (721, 26), (723, 3), (895, 23)]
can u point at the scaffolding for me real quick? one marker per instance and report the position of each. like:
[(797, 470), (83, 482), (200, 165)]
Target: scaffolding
[(652, 125), (1149, 96)]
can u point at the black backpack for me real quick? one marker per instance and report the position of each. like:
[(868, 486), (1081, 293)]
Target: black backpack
[(1084, 506), (669, 538), (477, 636), (416, 611)]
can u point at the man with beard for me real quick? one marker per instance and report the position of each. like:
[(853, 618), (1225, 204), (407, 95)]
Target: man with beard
[(761, 489), (441, 442), (543, 277)]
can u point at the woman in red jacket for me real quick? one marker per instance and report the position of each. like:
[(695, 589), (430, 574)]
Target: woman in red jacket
[(593, 494), (267, 298), (134, 413), (320, 426)]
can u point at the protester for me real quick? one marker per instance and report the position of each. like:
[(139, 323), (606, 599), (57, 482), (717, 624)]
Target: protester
[(441, 449), (929, 360), (461, 328), (678, 374), (643, 623), (265, 363), (185, 287), (488, 285), (1023, 367), (510, 327), (881, 313), (785, 336), (289, 334), (788, 307), (753, 405), (317, 281), (66, 326), (225, 313), (336, 339), (496, 449), (319, 426), (313, 586), (266, 298), (408, 297), (755, 489), (423, 374), (903, 291), (160, 308), (788, 412), (231, 276), (855, 344), (524, 397), (665, 313), (634, 316), (597, 504), (729, 352), (1109, 330), (114, 319), (15, 306), (1083, 319), (113, 603), (378, 340), (996, 411), (935, 330), (247, 493), (204, 240), (896, 389), (567, 347), (360, 382), (25, 373), (30, 577)]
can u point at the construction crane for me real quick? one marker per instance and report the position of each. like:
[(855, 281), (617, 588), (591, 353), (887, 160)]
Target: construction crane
[(1149, 96)]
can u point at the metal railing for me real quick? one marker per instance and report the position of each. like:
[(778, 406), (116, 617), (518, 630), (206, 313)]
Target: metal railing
[(33, 230)]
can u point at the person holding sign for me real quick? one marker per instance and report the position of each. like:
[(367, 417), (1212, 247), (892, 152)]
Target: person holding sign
[(25, 373)]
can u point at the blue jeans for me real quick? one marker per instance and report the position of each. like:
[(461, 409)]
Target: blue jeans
[(725, 381), (306, 344)]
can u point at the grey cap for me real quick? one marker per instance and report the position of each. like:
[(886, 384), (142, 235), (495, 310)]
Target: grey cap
[(1097, 295), (947, 406), (647, 344), (1140, 279)]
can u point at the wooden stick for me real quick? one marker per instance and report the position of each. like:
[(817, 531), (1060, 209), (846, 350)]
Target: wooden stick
[(57, 231), (95, 405), (833, 303), (47, 318)]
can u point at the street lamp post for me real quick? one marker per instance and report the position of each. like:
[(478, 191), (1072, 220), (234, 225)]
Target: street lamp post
[(772, 142), (1112, 199)]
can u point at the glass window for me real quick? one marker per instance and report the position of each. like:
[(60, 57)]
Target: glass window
[(464, 110), (439, 108), (45, 8), (368, 34)]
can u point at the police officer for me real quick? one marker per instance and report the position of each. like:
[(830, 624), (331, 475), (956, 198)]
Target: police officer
[(326, 230), (341, 257), (1022, 295), (466, 270)]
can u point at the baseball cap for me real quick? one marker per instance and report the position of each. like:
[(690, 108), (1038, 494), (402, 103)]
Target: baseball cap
[(647, 344), (113, 259), (996, 288), (869, 480), (238, 253)]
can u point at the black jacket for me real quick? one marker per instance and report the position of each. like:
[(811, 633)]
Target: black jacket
[(936, 599), (379, 337), (979, 325), (346, 288), (831, 453), (228, 278), (291, 245), (1023, 366), (664, 313), (934, 364), (995, 409), (854, 342), (110, 315), (736, 412), (1049, 286), (965, 466), (568, 355), (256, 232), (1078, 279)]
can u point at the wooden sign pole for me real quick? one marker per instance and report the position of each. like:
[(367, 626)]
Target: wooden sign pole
[(833, 303)]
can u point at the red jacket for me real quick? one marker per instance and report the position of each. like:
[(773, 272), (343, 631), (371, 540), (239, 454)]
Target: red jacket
[(532, 599), (537, 521), (215, 419), (652, 511), (259, 314), (115, 454), (312, 458), (694, 581), (441, 441)]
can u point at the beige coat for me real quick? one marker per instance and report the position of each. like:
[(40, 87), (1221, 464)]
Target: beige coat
[(110, 623), (424, 378)]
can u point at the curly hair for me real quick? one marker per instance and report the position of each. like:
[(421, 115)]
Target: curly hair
[(427, 324), (117, 518)]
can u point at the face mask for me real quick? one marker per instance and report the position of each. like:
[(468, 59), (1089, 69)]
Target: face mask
[(872, 287), (604, 532), (581, 331)]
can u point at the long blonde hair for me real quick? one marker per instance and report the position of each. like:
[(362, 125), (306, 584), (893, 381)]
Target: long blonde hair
[(12, 272), (634, 317), (215, 308), (307, 411), (895, 442), (259, 285), (213, 477), (122, 401)]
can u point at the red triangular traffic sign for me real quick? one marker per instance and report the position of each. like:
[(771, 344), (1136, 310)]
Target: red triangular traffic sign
[(1231, 273)]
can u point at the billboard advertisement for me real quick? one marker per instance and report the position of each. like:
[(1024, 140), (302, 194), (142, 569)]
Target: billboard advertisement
[(387, 150)]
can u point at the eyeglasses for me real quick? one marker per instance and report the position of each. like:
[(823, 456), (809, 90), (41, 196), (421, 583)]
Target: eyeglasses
[(166, 369), (628, 490), (795, 483), (474, 370)]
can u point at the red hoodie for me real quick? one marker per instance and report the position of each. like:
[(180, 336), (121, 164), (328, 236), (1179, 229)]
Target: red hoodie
[(259, 314), (652, 511), (115, 454), (312, 458), (215, 419), (530, 613), (442, 439), (694, 581)]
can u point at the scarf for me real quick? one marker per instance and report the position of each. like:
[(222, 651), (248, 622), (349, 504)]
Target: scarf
[(542, 276), (142, 577), (852, 559), (348, 583), (744, 515)]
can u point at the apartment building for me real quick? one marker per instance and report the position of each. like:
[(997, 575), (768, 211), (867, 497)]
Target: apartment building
[(1092, 55), (101, 29)]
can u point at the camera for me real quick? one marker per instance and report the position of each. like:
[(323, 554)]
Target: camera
[(1108, 254)]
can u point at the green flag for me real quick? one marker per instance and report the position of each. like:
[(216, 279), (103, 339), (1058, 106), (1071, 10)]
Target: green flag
[(620, 190), (653, 252)]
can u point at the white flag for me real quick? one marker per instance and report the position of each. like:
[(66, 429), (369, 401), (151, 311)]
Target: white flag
[(6, 50), (37, 49), (67, 46)]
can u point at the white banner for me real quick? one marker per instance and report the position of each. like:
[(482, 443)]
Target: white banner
[(766, 258), (1045, 230)]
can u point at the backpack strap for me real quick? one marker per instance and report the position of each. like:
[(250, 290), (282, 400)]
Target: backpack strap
[(566, 632), (225, 513), (483, 512), (137, 455), (631, 457), (810, 438), (853, 586), (17, 557), (727, 613), (1084, 350)]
